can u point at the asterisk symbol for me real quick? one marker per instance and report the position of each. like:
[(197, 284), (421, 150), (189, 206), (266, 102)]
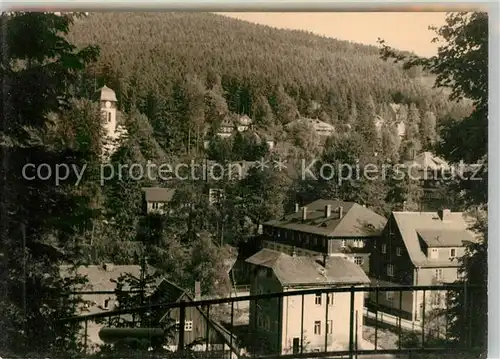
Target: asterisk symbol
[(280, 164), (262, 164)]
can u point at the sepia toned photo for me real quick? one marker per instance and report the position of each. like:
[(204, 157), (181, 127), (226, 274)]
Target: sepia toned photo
[(244, 185)]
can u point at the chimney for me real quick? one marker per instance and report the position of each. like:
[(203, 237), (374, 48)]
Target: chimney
[(297, 207), (304, 213), (341, 212), (197, 290), (328, 210), (444, 214)]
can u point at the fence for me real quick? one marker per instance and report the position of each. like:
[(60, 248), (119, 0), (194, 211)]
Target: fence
[(327, 322)]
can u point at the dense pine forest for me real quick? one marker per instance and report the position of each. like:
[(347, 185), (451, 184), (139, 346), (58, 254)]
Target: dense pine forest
[(178, 77)]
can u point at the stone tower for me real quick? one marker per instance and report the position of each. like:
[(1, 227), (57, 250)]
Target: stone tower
[(108, 103)]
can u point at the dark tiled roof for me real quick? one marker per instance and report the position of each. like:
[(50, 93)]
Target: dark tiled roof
[(444, 238), (410, 224), (158, 194), (356, 221), (306, 270)]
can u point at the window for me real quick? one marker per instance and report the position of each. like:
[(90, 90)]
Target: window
[(434, 253), (155, 205), (109, 116), (398, 251), (188, 325), (438, 274), (343, 243), (384, 248), (330, 299), (390, 270), (453, 253), (317, 299), (106, 304), (358, 260), (329, 327), (317, 327)]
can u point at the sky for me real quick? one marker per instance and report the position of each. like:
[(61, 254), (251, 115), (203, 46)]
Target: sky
[(401, 30)]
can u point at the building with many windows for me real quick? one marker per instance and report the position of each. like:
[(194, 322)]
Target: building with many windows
[(319, 321), (333, 228), (418, 248)]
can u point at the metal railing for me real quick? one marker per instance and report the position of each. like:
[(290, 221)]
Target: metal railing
[(327, 322)]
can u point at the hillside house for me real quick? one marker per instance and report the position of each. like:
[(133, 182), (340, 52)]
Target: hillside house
[(418, 248), (243, 123), (333, 228), (156, 199), (232, 123), (100, 278), (431, 170), (198, 326), (279, 325)]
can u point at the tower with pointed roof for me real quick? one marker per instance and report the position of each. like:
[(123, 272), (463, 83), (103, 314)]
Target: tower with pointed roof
[(108, 101)]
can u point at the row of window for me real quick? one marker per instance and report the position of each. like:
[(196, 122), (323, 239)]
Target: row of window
[(318, 327), (311, 239), (438, 273), (436, 298)]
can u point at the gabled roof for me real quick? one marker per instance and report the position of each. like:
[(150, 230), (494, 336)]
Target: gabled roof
[(158, 194), (356, 221), (454, 230), (309, 271)]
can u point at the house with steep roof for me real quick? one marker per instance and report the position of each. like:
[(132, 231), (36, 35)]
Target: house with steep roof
[(198, 326), (101, 278), (333, 228), (315, 322), (156, 199), (418, 248)]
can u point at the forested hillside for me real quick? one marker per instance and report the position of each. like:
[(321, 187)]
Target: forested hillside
[(169, 64)]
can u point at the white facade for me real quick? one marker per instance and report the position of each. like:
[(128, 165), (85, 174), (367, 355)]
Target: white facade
[(326, 321)]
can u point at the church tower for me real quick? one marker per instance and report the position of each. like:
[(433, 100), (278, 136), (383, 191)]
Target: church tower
[(108, 103)]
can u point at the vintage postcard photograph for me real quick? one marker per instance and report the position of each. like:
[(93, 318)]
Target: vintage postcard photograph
[(244, 185)]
